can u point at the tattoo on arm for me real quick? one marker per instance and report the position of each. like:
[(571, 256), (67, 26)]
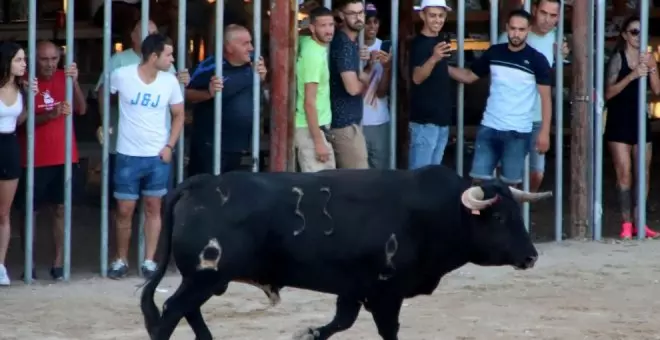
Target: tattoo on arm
[(613, 69)]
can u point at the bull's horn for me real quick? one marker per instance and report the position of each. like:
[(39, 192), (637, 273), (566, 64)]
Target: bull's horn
[(472, 198), (524, 196)]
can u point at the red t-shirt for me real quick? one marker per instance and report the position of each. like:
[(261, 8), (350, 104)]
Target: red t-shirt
[(50, 137)]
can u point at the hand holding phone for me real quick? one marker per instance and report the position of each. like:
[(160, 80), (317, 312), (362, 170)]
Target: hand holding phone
[(386, 46)]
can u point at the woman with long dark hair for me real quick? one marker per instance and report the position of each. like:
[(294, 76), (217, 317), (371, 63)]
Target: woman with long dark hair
[(12, 113), (625, 69)]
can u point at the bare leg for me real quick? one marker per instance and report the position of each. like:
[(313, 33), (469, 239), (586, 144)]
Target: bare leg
[(152, 225), (621, 155), (649, 153), (535, 179), (7, 192), (58, 235), (124, 219)]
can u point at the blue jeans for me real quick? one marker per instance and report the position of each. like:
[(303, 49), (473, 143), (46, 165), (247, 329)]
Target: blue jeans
[(506, 147), (135, 175), (427, 144)]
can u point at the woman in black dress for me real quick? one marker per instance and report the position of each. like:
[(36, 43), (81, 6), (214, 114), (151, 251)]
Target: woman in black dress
[(625, 68)]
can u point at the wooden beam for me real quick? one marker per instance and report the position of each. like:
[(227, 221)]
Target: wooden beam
[(580, 143), (281, 59)]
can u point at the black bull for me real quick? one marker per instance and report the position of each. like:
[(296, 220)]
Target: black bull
[(371, 237)]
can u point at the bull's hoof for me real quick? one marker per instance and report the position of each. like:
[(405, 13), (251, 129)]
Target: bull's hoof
[(306, 334)]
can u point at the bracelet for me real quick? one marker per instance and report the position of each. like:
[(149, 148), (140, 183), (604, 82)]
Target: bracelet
[(169, 147)]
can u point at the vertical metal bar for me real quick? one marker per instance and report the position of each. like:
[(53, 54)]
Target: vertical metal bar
[(68, 141), (361, 36), (181, 65), (600, 88), (394, 83), (590, 112), (29, 195), (460, 95), (641, 125), (494, 16), (144, 29), (144, 19), (526, 217), (327, 4), (217, 133), (105, 172), (256, 87), (559, 126)]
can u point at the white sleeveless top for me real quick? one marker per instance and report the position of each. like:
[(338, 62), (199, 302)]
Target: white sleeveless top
[(9, 114)]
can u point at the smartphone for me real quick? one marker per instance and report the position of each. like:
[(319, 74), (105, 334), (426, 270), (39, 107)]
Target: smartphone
[(386, 46), (447, 40)]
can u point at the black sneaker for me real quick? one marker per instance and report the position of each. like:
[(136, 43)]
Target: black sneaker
[(57, 273), (118, 270)]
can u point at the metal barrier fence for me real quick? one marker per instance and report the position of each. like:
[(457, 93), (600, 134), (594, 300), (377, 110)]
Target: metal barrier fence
[(595, 114)]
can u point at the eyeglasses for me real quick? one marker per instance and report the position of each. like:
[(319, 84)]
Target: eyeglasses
[(354, 14), (634, 32)]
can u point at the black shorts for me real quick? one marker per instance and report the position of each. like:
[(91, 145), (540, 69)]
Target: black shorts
[(48, 186), (10, 160)]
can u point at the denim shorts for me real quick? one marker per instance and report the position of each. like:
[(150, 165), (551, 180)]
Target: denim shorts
[(134, 175), (507, 147), (536, 159)]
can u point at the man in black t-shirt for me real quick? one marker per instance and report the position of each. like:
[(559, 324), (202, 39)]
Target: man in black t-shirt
[(431, 103)]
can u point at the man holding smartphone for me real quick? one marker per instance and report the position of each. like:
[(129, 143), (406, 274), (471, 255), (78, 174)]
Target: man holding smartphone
[(430, 93), (376, 115)]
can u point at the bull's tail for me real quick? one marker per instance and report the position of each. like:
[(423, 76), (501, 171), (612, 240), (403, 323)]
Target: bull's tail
[(147, 304)]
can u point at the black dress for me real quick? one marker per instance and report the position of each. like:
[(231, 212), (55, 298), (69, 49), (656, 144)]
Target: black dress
[(622, 117)]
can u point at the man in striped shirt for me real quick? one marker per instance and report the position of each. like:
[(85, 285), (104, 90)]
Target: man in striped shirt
[(518, 73)]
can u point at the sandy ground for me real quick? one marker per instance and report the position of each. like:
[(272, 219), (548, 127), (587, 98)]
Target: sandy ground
[(578, 291)]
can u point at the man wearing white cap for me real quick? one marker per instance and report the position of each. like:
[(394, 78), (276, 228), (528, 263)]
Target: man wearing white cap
[(430, 94)]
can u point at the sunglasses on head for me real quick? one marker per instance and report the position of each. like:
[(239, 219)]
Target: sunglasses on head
[(634, 32)]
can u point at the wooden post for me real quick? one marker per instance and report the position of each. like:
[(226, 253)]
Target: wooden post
[(281, 57), (579, 125)]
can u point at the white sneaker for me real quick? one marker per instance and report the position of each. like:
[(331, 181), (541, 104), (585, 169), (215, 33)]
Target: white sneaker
[(4, 277)]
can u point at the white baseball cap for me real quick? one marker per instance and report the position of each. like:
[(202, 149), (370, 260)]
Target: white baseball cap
[(435, 3)]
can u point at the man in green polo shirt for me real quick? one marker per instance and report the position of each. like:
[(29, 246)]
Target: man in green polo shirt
[(313, 113)]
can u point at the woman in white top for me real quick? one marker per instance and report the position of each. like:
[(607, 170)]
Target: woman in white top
[(12, 113)]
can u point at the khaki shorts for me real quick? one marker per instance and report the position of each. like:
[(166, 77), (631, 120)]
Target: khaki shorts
[(307, 152), (350, 147)]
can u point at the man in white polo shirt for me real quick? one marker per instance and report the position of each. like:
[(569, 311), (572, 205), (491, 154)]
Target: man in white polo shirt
[(144, 144)]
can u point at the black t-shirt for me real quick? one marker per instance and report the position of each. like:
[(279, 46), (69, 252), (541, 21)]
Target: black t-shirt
[(431, 100)]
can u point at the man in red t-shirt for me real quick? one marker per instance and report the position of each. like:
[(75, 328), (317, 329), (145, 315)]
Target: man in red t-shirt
[(50, 142)]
